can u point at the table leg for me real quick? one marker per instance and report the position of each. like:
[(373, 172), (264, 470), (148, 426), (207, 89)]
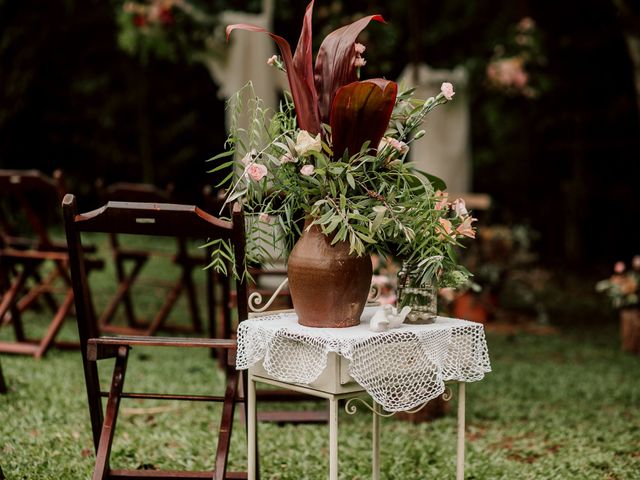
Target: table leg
[(461, 415), (333, 439), (252, 432), (375, 441)]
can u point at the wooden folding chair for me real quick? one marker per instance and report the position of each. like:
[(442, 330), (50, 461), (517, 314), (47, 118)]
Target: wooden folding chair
[(129, 263), (26, 252), (156, 220)]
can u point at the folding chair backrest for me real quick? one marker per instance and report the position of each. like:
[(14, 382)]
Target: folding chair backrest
[(26, 192), (155, 219)]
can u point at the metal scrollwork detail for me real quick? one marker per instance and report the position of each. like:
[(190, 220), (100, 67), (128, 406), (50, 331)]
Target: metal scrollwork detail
[(351, 408), (374, 293), (447, 394), (255, 299)]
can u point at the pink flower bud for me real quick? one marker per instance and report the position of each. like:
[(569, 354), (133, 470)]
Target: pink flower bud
[(307, 170), (447, 90), (272, 60), (359, 48)]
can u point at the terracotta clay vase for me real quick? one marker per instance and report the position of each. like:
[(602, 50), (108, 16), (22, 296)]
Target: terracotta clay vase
[(329, 287)]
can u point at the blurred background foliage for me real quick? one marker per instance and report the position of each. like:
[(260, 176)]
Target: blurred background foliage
[(564, 161)]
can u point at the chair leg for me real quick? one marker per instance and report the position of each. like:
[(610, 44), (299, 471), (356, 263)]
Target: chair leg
[(3, 385), (125, 283), (226, 423), (101, 471), (55, 325), (161, 317), (43, 287), (8, 302), (192, 299)]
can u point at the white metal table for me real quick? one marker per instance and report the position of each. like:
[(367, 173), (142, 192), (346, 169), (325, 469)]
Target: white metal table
[(277, 351)]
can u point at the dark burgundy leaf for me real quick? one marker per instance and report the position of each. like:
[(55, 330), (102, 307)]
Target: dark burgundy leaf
[(302, 90), (361, 113), (335, 63)]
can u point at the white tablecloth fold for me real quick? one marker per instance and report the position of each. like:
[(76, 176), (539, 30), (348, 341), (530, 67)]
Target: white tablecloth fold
[(400, 368)]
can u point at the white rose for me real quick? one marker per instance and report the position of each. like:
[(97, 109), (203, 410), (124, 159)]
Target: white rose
[(305, 143)]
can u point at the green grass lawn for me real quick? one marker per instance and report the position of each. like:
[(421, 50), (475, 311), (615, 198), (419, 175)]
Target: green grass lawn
[(564, 406)]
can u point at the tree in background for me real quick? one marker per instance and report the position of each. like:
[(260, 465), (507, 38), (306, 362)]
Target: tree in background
[(564, 162)]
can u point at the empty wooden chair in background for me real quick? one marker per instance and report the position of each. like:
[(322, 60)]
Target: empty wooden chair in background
[(155, 220), (32, 265), (129, 264)]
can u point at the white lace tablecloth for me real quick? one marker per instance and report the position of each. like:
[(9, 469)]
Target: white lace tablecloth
[(401, 368)]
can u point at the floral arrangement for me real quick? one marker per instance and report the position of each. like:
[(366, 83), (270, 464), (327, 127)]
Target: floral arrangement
[(335, 153), (513, 62), (168, 29), (622, 287)]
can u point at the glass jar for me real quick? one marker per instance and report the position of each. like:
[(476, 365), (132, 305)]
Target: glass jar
[(422, 298)]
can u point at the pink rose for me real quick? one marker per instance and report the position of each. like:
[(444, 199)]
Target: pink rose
[(307, 170), (256, 171), (447, 90)]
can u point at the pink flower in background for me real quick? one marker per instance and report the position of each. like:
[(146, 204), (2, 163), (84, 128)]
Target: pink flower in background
[(508, 73), (466, 229), (257, 171), (272, 60), (635, 262), (307, 170), (447, 90), (618, 267), (526, 24)]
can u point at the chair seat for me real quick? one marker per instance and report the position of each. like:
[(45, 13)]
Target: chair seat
[(164, 341)]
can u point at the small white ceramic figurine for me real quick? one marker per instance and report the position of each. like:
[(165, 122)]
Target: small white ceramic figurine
[(379, 322), (387, 318)]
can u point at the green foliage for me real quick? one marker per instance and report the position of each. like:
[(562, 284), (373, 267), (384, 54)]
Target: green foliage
[(560, 406)]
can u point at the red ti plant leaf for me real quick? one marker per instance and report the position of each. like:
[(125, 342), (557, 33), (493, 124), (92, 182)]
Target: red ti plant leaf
[(299, 71), (361, 113), (335, 63)]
